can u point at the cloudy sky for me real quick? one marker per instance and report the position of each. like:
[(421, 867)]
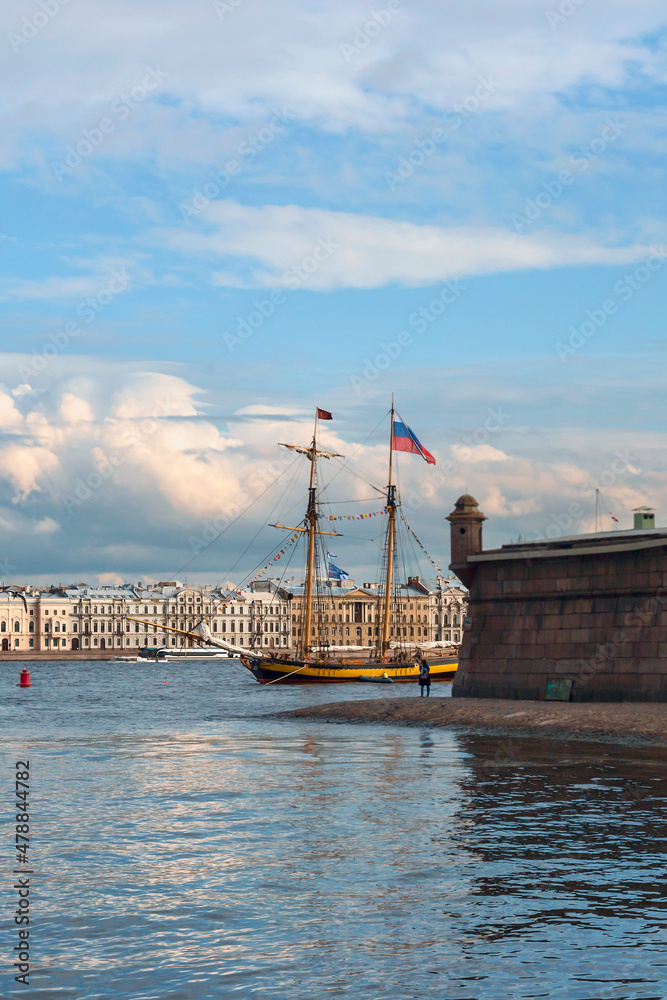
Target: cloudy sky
[(218, 215)]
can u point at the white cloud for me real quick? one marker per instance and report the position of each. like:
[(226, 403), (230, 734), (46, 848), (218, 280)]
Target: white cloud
[(10, 417), (27, 468), (481, 453), (46, 526), (74, 409), (326, 250), (76, 287), (110, 579), (262, 56), (151, 395)]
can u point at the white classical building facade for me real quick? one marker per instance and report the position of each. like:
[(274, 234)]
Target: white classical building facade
[(269, 614)]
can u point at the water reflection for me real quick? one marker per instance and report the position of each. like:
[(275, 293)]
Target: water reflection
[(189, 852), (569, 847)]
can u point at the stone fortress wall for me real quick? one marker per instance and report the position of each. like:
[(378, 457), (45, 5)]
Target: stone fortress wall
[(590, 610)]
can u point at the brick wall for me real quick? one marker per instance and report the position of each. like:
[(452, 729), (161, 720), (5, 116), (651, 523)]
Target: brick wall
[(600, 620)]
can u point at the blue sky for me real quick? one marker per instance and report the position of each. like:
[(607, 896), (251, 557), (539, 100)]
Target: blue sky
[(463, 204)]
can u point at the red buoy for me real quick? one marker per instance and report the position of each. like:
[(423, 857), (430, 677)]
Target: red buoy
[(25, 679)]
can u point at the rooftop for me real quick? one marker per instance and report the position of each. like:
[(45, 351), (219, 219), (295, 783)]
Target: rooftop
[(593, 544)]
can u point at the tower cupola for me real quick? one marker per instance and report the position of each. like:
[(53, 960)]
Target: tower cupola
[(466, 535)]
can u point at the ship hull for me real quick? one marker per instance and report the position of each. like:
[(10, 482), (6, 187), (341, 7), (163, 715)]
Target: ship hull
[(266, 671)]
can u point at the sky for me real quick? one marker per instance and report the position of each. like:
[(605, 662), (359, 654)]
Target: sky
[(218, 216)]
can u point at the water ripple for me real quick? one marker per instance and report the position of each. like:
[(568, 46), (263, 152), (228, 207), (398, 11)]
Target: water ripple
[(188, 849)]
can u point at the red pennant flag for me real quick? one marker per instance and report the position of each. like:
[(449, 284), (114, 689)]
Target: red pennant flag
[(323, 414)]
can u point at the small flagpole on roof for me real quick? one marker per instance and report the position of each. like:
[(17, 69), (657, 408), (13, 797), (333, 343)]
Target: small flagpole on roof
[(597, 508)]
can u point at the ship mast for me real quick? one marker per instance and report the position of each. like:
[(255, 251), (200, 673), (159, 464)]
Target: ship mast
[(391, 512), (311, 517), (310, 529)]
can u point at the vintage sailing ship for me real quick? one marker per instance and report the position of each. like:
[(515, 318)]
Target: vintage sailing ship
[(390, 656)]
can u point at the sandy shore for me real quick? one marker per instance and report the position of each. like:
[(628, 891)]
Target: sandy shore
[(633, 723)]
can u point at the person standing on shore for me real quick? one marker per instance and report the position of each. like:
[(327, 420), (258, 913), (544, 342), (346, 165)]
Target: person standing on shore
[(424, 678)]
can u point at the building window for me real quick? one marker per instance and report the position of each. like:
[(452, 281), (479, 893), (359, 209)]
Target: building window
[(3, 626), (16, 642), (31, 627), (17, 627), (31, 643)]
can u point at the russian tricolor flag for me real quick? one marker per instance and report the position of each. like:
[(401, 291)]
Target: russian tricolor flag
[(403, 439)]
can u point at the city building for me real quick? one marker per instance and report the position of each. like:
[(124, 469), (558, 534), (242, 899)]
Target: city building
[(347, 615), (129, 617), (268, 613)]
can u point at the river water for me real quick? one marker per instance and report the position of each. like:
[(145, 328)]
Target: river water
[(185, 847)]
